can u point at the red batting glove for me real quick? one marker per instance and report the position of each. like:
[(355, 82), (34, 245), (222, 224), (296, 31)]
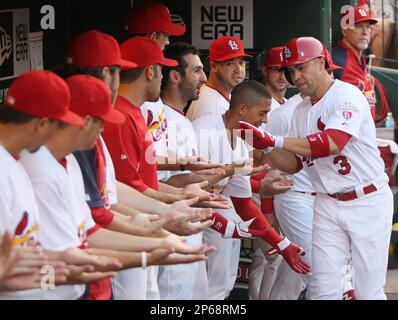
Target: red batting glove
[(291, 252), (261, 139), (229, 229)]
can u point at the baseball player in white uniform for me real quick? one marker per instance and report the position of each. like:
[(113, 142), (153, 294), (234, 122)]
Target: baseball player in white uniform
[(215, 144), (335, 135), (294, 209), (262, 271), (179, 85), (294, 212), (33, 99), (226, 56)]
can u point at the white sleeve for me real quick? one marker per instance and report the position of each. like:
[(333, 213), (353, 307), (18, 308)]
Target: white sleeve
[(347, 117), (293, 125), (87, 215), (110, 176), (5, 212), (57, 229), (277, 125), (204, 143), (239, 187)]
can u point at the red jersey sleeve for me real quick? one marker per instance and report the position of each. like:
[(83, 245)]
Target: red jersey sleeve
[(124, 147)]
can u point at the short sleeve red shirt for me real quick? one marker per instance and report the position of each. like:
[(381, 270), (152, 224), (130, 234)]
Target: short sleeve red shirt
[(131, 148)]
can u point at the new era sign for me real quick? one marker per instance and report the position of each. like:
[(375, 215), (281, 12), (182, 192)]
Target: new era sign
[(212, 19), (14, 45)]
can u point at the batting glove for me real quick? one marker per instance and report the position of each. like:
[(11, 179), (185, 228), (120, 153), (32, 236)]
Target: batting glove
[(262, 140)]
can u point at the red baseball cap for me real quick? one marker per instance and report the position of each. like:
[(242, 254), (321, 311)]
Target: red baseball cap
[(361, 14), (145, 52), (274, 57), (91, 97), (226, 48), (42, 94), (330, 66), (152, 17), (96, 49)]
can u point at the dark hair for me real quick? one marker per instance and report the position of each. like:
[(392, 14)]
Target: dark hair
[(177, 51), (10, 115), (130, 75), (96, 72), (248, 92), (90, 71)]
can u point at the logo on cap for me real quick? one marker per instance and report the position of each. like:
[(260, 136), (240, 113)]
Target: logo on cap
[(233, 45), (287, 53), (362, 13), (281, 56)]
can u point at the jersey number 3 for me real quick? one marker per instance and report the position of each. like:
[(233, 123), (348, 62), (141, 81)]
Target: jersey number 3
[(344, 165)]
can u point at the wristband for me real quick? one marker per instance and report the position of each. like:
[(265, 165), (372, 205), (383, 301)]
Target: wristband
[(279, 140), (229, 230), (283, 244), (144, 261)]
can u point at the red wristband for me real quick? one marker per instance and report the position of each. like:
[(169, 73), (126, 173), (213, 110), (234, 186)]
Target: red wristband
[(319, 143)]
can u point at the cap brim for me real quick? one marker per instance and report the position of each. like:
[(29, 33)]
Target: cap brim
[(169, 62), (114, 116), (233, 56), (298, 61), (125, 64), (273, 65), (71, 118), (370, 20), (175, 29)]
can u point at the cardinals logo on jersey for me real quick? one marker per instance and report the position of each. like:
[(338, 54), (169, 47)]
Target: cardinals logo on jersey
[(23, 231), (81, 233), (156, 126), (321, 126), (105, 196), (22, 224)]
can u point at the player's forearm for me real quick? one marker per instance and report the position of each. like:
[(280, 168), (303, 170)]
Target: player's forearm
[(163, 187), (139, 201), (181, 180), (299, 146), (284, 160), (169, 166), (166, 198), (184, 180), (127, 259), (229, 170), (107, 239), (118, 224), (315, 146), (247, 210), (124, 210)]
